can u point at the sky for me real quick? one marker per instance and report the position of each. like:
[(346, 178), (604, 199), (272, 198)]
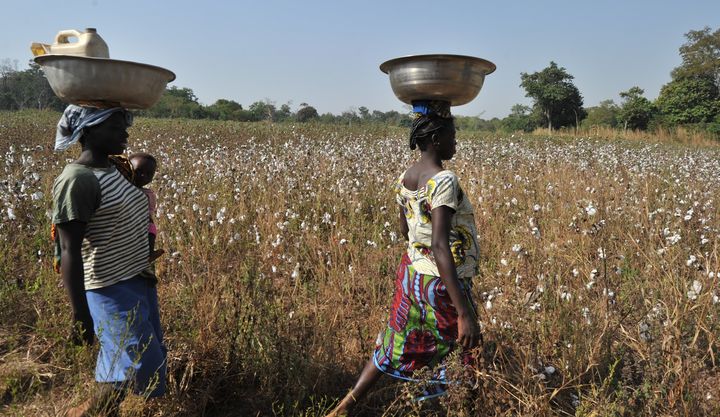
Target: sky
[(327, 53)]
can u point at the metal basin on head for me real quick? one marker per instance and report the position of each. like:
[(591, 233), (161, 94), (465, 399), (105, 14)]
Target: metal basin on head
[(454, 78), (103, 82)]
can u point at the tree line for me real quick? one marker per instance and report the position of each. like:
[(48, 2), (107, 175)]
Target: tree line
[(691, 99)]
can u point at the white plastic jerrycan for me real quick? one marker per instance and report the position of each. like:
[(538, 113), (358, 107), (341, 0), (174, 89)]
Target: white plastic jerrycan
[(88, 43)]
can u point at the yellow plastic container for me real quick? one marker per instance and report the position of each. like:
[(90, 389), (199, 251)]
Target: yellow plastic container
[(88, 43)]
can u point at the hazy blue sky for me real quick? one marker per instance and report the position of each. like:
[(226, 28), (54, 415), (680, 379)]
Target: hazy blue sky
[(326, 53)]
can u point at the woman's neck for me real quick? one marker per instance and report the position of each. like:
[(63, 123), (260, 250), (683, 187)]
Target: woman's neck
[(92, 158), (431, 158)]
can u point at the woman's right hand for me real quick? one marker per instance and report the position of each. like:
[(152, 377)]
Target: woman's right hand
[(83, 332), (469, 334)]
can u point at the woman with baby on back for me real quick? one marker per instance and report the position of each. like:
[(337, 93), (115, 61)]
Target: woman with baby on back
[(432, 312), (102, 223)]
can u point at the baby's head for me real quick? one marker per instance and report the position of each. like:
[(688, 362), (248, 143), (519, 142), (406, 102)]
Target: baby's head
[(144, 166)]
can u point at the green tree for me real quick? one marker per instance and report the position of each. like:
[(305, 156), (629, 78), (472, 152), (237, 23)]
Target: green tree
[(284, 113), (306, 113), (177, 102), (556, 98), (26, 89), (635, 111), (689, 100), (519, 119), (227, 110), (262, 110), (364, 112), (604, 114), (700, 55)]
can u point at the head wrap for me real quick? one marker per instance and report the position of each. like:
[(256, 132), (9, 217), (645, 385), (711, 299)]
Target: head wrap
[(76, 118), (438, 108), (423, 112)]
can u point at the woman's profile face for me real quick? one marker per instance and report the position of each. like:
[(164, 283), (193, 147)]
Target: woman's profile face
[(446, 142), (110, 136)]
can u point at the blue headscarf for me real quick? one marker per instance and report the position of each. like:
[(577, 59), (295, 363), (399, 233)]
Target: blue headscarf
[(75, 118)]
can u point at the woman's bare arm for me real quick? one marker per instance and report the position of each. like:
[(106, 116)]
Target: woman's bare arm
[(468, 329), (71, 235), (404, 229)]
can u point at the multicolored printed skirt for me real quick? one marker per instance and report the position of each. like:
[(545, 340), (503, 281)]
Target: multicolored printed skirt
[(422, 329)]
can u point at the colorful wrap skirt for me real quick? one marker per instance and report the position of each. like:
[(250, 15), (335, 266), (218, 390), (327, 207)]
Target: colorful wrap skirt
[(423, 325)]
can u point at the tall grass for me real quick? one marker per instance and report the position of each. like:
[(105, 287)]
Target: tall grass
[(676, 135), (598, 285)]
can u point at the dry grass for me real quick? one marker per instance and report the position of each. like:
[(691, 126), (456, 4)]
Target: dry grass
[(598, 286), (677, 135)]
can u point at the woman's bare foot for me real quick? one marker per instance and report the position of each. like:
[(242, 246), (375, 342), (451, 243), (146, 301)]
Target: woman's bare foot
[(342, 409), (79, 411)]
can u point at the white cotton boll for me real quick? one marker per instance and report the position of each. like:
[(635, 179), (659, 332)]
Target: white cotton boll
[(488, 305), (503, 262), (296, 272), (695, 290), (516, 248), (691, 260), (675, 238), (536, 207), (36, 195), (591, 210)]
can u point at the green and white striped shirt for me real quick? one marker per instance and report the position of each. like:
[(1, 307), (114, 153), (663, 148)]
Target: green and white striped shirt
[(115, 247)]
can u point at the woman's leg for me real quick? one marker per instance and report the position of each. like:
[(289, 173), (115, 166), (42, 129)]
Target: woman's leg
[(105, 401), (368, 377), (131, 354)]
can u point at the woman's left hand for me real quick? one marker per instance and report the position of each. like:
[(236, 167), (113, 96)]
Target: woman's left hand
[(469, 334)]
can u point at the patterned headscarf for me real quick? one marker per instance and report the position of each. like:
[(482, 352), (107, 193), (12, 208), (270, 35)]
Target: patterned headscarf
[(438, 108), (76, 118), (424, 112)]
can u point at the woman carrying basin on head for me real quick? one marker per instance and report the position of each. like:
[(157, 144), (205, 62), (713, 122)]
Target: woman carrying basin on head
[(102, 224), (432, 311)]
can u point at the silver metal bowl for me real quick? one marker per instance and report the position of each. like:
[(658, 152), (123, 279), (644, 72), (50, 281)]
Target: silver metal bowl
[(103, 82), (454, 78)]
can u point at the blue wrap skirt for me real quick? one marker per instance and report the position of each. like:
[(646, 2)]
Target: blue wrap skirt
[(126, 318)]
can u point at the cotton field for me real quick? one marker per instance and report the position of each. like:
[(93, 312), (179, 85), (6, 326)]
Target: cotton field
[(598, 287)]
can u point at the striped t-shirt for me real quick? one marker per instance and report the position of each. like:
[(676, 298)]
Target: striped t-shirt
[(115, 247)]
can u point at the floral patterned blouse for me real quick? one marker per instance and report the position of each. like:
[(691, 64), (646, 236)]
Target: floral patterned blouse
[(440, 190)]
